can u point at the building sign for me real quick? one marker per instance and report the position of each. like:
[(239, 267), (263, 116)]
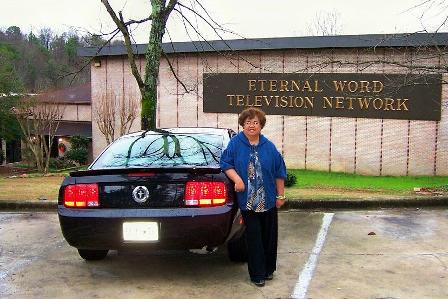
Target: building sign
[(395, 96)]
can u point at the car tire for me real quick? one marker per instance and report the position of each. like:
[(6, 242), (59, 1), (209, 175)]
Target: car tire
[(92, 255), (237, 249)]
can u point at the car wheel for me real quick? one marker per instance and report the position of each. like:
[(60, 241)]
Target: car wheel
[(92, 255), (237, 249)]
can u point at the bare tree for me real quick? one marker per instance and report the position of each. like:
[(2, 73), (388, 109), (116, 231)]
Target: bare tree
[(325, 23), (39, 120), (434, 11), (104, 115), (128, 113), (160, 12), (193, 17), (46, 37), (106, 111)]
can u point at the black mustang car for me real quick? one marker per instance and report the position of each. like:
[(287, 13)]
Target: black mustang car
[(160, 189)]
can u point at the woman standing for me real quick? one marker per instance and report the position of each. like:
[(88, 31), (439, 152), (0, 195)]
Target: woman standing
[(256, 167)]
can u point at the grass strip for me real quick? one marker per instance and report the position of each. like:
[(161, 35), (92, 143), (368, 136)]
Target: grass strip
[(337, 180), (30, 188)]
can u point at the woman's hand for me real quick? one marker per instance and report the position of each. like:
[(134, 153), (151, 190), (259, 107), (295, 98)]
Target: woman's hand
[(280, 198), (239, 185), (279, 203), (233, 175)]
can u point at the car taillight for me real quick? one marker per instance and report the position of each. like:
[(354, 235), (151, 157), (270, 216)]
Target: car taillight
[(205, 194), (81, 196)]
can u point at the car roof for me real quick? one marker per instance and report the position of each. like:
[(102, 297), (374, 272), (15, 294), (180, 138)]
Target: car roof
[(185, 130)]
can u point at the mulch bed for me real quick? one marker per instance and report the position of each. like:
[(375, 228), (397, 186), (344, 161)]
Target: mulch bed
[(9, 170)]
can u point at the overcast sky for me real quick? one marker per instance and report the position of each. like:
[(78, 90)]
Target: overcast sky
[(249, 18)]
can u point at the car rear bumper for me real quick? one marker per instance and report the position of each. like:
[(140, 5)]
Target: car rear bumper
[(178, 229)]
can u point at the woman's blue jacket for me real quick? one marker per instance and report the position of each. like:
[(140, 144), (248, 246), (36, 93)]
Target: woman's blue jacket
[(237, 155)]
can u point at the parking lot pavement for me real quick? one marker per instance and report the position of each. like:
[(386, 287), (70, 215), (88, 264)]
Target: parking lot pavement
[(406, 257), (384, 254)]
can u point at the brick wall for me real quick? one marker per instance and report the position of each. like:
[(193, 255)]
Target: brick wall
[(353, 145)]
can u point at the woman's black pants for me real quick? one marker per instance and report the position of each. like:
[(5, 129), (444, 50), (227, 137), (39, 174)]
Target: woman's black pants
[(261, 236)]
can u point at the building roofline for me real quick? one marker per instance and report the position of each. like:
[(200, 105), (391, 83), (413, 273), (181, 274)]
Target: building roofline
[(79, 95), (281, 43)]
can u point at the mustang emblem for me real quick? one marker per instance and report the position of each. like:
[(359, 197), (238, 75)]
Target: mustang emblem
[(140, 194)]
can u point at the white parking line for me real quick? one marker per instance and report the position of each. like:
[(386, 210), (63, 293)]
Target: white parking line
[(306, 275)]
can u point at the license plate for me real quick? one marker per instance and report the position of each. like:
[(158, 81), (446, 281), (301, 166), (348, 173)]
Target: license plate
[(140, 231)]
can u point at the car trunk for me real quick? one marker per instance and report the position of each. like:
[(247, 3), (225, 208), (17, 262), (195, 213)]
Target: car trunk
[(166, 187)]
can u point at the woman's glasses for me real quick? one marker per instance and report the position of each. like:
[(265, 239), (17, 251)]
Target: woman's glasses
[(251, 123)]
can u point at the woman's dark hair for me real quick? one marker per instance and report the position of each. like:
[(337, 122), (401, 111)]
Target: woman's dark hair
[(250, 113)]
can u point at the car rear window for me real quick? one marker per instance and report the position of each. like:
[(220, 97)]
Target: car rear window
[(162, 150)]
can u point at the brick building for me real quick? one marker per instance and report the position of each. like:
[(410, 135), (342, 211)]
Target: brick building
[(386, 143)]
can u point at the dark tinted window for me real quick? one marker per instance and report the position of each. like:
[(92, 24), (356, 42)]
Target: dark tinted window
[(163, 150)]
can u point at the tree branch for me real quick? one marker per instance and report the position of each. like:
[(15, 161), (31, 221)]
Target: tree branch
[(169, 8), (130, 53), (131, 22), (174, 73), (89, 61)]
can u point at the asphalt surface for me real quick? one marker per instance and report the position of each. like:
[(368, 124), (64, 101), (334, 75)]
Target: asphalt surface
[(387, 253)]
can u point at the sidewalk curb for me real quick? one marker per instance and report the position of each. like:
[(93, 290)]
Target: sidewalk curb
[(16, 205)]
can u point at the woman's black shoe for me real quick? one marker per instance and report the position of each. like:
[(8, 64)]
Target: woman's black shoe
[(258, 283), (269, 276)]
